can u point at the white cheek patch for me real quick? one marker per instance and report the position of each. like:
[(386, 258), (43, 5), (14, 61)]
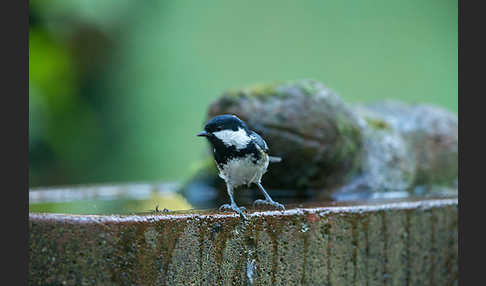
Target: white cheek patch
[(239, 139)]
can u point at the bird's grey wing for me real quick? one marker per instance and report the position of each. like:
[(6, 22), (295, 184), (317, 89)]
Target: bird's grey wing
[(259, 141), (262, 144)]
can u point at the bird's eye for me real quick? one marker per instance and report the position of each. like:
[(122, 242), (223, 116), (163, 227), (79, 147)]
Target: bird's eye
[(219, 128)]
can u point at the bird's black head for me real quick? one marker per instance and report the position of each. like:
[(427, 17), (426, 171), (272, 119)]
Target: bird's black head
[(225, 122), (230, 138)]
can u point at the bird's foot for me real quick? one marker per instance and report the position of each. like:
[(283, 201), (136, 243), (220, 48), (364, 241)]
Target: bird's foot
[(269, 203), (235, 208)]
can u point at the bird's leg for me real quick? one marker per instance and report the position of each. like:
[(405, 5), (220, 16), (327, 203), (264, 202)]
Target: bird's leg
[(233, 206), (268, 200)]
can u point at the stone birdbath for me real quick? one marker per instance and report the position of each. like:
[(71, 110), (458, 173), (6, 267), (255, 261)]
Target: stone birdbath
[(370, 191)]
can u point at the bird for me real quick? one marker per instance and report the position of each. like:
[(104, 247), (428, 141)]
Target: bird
[(241, 156)]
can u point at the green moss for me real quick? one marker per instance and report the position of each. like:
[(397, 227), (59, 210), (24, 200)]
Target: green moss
[(308, 86), (257, 90), (377, 124), (266, 90)]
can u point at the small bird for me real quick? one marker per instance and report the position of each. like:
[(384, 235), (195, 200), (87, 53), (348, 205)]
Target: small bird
[(241, 156)]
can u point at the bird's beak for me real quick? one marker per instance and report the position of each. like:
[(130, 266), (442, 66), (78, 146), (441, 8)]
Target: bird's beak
[(203, 133)]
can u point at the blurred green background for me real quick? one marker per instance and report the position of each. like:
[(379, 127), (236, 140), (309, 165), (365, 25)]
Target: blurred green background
[(118, 89)]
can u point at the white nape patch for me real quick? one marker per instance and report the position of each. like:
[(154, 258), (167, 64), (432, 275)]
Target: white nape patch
[(239, 139)]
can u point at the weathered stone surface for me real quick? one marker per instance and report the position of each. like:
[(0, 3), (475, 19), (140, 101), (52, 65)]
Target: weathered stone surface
[(420, 261), (395, 232), (341, 254), (429, 136), (340, 151), (387, 164), (375, 259), (316, 240), (401, 243)]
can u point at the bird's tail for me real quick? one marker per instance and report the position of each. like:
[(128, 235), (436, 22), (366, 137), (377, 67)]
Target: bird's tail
[(274, 159)]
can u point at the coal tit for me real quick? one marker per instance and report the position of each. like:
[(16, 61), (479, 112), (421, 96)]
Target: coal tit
[(241, 156)]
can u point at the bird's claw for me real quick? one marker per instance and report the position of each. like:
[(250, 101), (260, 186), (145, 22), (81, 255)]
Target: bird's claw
[(229, 207), (235, 208), (269, 203)]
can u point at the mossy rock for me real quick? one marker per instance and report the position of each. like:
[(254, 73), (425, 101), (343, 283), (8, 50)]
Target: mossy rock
[(305, 123), (330, 148), (430, 134)]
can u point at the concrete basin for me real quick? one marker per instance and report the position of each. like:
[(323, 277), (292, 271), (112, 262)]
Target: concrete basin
[(392, 242)]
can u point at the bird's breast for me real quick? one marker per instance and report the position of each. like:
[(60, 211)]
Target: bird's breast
[(244, 170)]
